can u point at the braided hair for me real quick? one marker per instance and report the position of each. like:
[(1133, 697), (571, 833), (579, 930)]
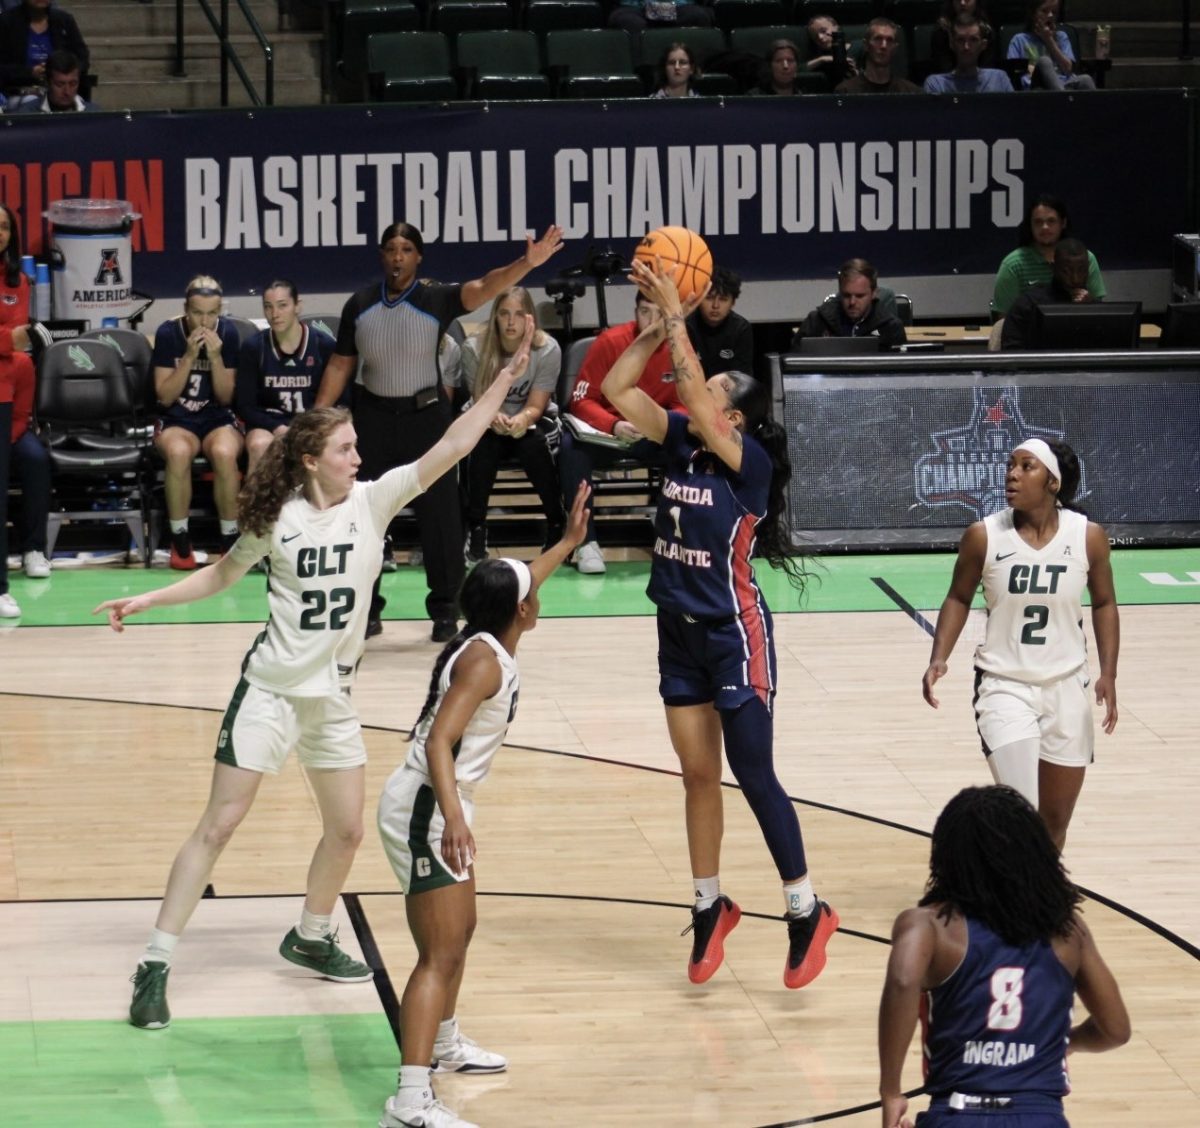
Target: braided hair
[(752, 398), (488, 599), (992, 859), (281, 471)]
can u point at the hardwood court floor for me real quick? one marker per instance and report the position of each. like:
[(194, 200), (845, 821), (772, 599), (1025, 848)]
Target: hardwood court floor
[(577, 968)]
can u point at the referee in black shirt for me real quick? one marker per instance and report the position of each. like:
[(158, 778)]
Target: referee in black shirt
[(395, 327)]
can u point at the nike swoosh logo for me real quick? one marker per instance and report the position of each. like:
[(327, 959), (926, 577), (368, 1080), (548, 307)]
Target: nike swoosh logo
[(291, 538), (999, 556)]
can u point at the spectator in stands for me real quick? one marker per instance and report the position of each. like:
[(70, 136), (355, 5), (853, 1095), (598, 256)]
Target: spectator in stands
[(1032, 263), (638, 15), (28, 34), (723, 339), (579, 455), (883, 38), (524, 428), (780, 66), (23, 451), (1067, 284), (854, 311), (1047, 49), (279, 370), (968, 77), (61, 95), (389, 333), (676, 69), (827, 52), (941, 47), (195, 371)]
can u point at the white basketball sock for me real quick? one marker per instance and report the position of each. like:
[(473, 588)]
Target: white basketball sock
[(313, 927), (707, 890), (161, 947), (799, 898), (413, 1089), (447, 1031)]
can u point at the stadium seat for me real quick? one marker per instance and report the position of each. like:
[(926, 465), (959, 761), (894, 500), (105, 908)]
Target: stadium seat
[(650, 44), (729, 14), (756, 40), (95, 435), (912, 13), (501, 64), (326, 322), (592, 63), (244, 326), (452, 17), (361, 19), (844, 11), (542, 16), (410, 66)]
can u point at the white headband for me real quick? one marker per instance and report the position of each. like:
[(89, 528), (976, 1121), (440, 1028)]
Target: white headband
[(523, 574), (1040, 449)]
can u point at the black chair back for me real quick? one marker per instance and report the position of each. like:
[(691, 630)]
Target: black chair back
[(83, 382)]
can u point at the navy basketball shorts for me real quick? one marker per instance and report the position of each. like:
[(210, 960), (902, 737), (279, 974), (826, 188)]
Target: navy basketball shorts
[(201, 425), (1024, 1110), (725, 661)]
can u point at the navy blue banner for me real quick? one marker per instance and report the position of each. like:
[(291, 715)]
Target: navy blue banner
[(781, 189)]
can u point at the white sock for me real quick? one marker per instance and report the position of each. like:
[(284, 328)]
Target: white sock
[(707, 890), (179, 526), (161, 947), (413, 1090), (799, 898), (313, 927), (447, 1031), (229, 528)]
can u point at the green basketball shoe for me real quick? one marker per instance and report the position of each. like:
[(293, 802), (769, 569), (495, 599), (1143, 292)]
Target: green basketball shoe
[(324, 957), (149, 1010)]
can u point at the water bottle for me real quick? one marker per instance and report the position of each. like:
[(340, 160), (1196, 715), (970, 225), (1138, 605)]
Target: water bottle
[(30, 272), (42, 291)]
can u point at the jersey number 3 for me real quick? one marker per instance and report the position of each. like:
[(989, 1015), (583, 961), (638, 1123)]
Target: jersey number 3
[(339, 603), (1005, 1010)]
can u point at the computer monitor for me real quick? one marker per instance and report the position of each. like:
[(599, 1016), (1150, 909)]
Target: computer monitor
[(1181, 329), (838, 346), (1095, 326)]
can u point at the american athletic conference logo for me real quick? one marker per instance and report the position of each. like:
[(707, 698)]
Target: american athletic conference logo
[(109, 273), (968, 464)]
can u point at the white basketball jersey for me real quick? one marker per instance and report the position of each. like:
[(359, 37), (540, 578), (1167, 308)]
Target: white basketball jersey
[(323, 566), (488, 726), (1034, 600)]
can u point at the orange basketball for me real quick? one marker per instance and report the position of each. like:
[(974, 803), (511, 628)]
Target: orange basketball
[(679, 247)]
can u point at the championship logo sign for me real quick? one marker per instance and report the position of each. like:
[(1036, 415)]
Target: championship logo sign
[(968, 464)]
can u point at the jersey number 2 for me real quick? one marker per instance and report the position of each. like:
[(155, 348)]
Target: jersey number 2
[(1038, 615), (340, 603)]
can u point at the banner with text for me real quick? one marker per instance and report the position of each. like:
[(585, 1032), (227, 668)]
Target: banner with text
[(780, 188)]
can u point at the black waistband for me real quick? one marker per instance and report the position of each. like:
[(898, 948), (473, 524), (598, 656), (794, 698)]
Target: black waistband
[(400, 405)]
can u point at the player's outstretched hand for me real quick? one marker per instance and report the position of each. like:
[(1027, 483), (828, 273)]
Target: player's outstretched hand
[(549, 244), (120, 609), (936, 671), (576, 531)]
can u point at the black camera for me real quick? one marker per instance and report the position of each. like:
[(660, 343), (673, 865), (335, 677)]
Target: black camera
[(568, 287)]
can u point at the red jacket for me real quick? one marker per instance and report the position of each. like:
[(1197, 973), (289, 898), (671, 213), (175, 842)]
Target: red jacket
[(590, 405), (16, 369)]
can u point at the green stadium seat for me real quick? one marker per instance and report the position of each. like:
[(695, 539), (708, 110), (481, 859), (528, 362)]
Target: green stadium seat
[(501, 64), (410, 66), (592, 63)]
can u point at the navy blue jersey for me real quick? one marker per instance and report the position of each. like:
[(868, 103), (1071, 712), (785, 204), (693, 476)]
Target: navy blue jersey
[(1001, 1023), (197, 399), (274, 386)]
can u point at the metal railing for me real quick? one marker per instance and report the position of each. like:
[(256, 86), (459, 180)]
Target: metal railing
[(229, 55)]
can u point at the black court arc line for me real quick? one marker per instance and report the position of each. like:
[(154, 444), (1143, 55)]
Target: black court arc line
[(1165, 933), (903, 604), (391, 1005)]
